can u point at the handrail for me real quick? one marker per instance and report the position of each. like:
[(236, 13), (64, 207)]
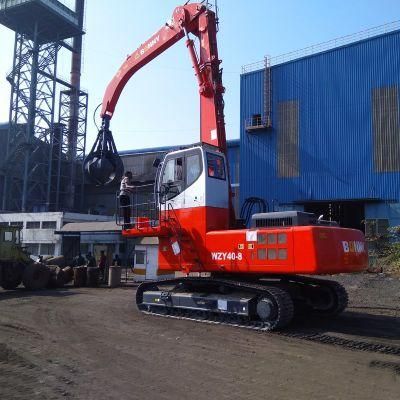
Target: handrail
[(146, 209), (55, 5), (177, 231), (324, 46), (170, 207)]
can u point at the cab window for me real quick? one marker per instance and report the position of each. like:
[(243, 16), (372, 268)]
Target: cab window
[(8, 236), (172, 179), (193, 168), (215, 166)]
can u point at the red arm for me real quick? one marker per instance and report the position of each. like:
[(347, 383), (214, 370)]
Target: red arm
[(198, 20)]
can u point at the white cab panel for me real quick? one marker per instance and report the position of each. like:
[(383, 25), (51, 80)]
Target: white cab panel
[(195, 177)]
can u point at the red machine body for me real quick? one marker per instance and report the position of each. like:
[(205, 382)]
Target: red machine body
[(255, 272), (193, 229), (199, 217), (302, 250)]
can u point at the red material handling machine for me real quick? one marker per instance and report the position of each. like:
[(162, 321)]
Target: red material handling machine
[(255, 276)]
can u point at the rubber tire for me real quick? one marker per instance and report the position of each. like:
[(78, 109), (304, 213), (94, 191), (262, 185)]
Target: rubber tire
[(57, 278), (80, 276), (69, 274), (36, 276), (11, 275), (59, 261)]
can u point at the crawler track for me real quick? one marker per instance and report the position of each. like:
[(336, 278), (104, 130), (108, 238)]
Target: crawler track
[(280, 298), (257, 325)]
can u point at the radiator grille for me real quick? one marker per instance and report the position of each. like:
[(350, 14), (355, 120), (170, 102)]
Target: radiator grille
[(287, 221)]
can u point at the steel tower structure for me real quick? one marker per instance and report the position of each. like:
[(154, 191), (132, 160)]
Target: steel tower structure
[(43, 151)]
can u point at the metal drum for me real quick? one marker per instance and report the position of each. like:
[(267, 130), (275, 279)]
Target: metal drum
[(114, 276), (80, 276), (93, 274)]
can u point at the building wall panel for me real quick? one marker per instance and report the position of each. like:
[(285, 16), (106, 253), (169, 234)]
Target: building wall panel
[(334, 91)]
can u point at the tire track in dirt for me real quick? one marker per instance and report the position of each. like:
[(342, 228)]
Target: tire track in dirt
[(24, 371), (22, 379), (93, 344), (392, 366)]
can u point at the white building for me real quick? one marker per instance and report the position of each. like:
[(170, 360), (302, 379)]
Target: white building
[(38, 229)]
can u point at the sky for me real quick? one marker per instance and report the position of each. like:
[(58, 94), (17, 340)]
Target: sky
[(160, 104)]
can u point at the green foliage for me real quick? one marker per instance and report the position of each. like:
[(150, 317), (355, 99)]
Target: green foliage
[(384, 249)]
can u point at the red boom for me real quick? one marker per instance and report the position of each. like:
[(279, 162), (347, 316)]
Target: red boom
[(198, 20)]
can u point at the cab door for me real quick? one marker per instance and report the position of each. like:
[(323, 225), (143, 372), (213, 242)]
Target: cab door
[(194, 179), (217, 180), (172, 182)]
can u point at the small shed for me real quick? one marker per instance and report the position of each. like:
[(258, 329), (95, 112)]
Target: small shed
[(94, 237), (145, 260)]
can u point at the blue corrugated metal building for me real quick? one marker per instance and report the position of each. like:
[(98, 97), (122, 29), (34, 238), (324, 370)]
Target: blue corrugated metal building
[(333, 146)]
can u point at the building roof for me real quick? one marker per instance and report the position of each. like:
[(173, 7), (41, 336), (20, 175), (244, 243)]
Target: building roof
[(83, 227), (165, 149), (320, 48)]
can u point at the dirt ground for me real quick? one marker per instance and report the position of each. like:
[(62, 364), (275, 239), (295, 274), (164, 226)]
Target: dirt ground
[(94, 344)]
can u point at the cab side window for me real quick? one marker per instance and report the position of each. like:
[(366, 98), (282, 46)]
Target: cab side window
[(216, 166)]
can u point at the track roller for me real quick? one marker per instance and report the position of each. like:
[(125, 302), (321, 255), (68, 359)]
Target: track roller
[(275, 308)]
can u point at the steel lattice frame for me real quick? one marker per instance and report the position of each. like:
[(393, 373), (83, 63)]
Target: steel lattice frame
[(69, 141), (42, 156), (33, 85)]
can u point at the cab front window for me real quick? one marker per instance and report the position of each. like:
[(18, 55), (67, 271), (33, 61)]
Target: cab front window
[(172, 178)]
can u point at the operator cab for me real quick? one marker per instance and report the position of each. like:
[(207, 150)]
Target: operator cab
[(195, 177), (10, 235), (185, 179)]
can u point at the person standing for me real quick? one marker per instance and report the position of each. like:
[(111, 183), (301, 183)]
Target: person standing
[(78, 261), (90, 260), (102, 264), (125, 191)]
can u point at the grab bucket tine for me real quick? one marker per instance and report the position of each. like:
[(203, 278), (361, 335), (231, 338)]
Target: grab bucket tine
[(103, 165)]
